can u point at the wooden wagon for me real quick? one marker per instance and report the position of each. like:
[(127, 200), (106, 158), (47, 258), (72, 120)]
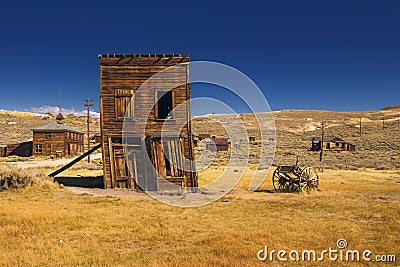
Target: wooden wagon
[(294, 178)]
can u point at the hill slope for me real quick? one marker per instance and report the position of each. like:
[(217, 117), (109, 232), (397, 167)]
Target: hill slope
[(15, 126), (377, 147)]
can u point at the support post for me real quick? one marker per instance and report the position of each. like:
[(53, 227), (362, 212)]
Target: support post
[(322, 143), (88, 104)]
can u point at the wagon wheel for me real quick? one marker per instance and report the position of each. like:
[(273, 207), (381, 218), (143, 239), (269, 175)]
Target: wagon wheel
[(280, 182), (308, 179)]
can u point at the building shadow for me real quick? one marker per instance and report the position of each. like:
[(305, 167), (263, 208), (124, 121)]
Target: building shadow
[(269, 191), (84, 182)]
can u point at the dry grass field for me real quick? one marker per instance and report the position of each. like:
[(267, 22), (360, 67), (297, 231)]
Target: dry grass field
[(45, 224)]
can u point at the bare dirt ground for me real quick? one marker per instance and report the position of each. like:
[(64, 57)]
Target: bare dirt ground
[(49, 163), (107, 192)]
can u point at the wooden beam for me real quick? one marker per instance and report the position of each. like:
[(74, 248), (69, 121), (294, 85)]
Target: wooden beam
[(112, 167), (74, 161)]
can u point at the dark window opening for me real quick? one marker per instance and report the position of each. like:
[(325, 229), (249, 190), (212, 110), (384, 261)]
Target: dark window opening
[(167, 162), (116, 140), (164, 105), (328, 145), (47, 135)]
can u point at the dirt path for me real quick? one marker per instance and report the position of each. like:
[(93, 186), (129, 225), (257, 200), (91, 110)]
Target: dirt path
[(108, 192), (49, 162)]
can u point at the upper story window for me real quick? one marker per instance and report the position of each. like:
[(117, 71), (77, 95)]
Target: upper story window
[(47, 135), (164, 105), (123, 98)]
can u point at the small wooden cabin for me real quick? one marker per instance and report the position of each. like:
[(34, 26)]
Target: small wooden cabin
[(137, 151), (218, 144), (57, 140), (202, 136), (331, 143)]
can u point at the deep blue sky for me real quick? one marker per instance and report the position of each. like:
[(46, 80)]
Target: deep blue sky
[(309, 54)]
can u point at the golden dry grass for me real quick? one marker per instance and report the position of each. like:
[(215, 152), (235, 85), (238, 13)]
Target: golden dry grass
[(45, 226)]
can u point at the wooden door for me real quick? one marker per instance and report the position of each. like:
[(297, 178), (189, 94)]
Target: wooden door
[(121, 171), (168, 157)]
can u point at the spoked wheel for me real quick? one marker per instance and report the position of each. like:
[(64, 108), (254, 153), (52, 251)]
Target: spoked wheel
[(280, 182), (308, 179)]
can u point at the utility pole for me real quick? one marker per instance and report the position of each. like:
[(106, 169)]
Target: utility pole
[(383, 123), (322, 143), (60, 101), (360, 127), (88, 104)]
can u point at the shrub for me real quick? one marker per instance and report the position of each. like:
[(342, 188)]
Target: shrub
[(14, 177)]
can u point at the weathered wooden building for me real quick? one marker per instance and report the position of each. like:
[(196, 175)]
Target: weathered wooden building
[(331, 143), (23, 149), (140, 117), (218, 144), (57, 140)]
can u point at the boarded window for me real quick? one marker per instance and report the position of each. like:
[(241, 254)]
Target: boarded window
[(164, 105), (47, 135), (123, 98), (168, 157), (38, 148)]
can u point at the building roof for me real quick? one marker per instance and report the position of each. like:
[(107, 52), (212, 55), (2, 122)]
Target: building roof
[(55, 127), (144, 55), (170, 59)]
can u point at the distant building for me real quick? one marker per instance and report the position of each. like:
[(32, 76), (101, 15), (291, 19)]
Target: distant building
[(95, 138), (202, 136), (23, 149), (57, 140), (331, 143), (218, 144), (197, 138)]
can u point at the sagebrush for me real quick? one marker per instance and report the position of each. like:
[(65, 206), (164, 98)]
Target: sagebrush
[(14, 177)]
